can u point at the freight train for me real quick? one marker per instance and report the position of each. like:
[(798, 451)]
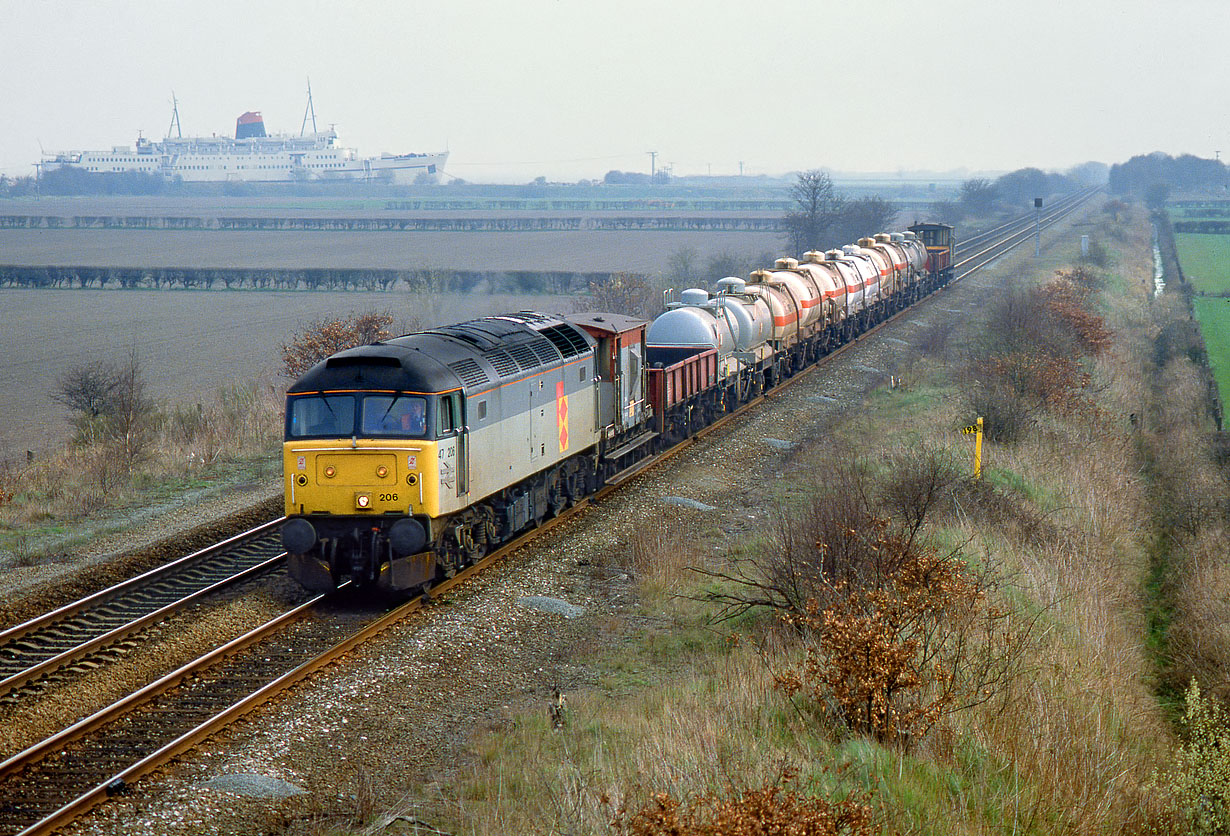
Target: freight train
[(408, 459)]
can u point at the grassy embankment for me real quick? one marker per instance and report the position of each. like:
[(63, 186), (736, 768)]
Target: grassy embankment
[(1206, 264), (115, 473), (1065, 521)]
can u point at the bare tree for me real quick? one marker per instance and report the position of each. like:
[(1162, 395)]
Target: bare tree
[(978, 196), (113, 414), (130, 421), (817, 205), (87, 389), (861, 218), (324, 337), (681, 266), (629, 293)]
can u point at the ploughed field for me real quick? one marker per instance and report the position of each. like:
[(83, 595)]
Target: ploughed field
[(578, 251), (190, 343)]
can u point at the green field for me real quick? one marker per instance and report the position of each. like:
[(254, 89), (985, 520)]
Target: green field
[(1206, 261), (1213, 314)]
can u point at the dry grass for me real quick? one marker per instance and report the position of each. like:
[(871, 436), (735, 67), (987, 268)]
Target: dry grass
[(188, 447)]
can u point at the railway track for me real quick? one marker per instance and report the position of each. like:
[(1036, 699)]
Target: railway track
[(58, 779), (100, 623)]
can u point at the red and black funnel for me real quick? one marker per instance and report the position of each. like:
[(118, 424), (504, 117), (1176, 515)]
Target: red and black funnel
[(249, 125)]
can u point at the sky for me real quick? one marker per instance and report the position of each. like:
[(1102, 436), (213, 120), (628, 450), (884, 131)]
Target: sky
[(570, 89)]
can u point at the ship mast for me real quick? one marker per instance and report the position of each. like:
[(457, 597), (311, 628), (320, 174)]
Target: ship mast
[(310, 111), (174, 117)]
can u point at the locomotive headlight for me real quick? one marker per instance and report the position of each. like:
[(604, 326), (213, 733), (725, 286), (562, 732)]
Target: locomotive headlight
[(382, 471), (363, 500), (330, 471)]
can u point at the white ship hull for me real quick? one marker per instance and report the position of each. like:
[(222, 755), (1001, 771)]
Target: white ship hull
[(255, 159)]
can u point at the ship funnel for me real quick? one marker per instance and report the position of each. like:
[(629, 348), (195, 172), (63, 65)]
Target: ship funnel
[(250, 125)]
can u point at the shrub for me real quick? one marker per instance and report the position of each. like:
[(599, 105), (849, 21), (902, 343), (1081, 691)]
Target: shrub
[(1198, 784), (112, 413), (901, 641), (895, 634), (1030, 358), (774, 809), (325, 337), (1068, 302), (629, 293)]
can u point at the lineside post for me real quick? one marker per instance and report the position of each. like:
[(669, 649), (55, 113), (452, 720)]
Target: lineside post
[(978, 450), (975, 430), (1037, 227)]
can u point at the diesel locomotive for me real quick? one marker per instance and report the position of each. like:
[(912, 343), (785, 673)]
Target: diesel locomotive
[(410, 458)]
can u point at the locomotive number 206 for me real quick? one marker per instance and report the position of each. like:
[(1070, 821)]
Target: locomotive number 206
[(388, 497)]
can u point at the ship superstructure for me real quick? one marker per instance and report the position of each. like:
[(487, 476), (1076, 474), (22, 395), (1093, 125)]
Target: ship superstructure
[(251, 156)]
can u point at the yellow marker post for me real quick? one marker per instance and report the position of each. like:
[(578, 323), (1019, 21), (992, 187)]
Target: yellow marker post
[(978, 451), (976, 431)]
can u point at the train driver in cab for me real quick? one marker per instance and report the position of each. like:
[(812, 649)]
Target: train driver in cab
[(400, 415)]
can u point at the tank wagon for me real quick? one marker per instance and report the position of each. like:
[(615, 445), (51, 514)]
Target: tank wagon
[(411, 458)]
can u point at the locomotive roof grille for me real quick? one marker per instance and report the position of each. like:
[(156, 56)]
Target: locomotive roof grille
[(471, 373), (546, 351), (524, 355), (567, 339), (504, 365), (486, 334)]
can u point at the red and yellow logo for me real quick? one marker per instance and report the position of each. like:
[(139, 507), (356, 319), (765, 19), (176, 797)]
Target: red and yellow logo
[(561, 415)]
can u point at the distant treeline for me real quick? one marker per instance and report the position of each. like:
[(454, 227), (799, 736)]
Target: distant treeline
[(660, 223), (1015, 191), (69, 181), (1154, 176), (588, 204), (1203, 227), (420, 281)]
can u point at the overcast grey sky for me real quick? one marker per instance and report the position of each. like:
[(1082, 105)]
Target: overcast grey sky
[(572, 88)]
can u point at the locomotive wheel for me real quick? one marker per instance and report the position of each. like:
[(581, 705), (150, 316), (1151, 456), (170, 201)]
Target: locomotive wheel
[(574, 485), (557, 493), (474, 548)]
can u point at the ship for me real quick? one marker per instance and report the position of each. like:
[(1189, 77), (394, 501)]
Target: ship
[(253, 156)]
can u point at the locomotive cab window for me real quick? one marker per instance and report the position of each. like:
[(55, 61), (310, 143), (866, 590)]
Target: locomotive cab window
[(449, 410), (321, 415), (398, 415)]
